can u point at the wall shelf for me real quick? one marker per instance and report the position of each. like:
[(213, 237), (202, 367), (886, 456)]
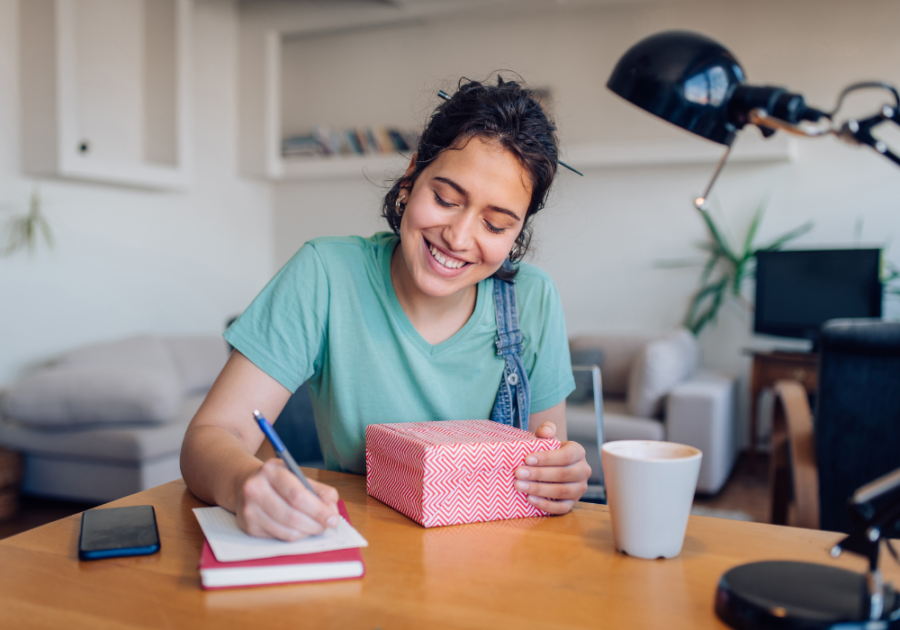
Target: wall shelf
[(748, 147), (118, 119), (342, 167), (584, 157), (261, 134)]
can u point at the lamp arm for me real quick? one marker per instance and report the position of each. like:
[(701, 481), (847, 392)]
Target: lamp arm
[(856, 132), (874, 511), (860, 131), (871, 524), (865, 85)]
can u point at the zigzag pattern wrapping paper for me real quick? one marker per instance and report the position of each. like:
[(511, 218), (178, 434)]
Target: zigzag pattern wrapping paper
[(450, 472)]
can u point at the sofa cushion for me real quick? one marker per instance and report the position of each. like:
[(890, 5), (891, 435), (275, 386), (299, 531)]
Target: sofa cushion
[(95, 394), (113, 442), (584, 386), (619, 353), (581, 424), (198, 359), (660, 365), (141, 350)]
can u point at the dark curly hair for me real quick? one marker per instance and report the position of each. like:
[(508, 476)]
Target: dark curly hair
[(506, 113)]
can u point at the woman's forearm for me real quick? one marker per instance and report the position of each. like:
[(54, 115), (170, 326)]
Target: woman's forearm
[(214, 463)]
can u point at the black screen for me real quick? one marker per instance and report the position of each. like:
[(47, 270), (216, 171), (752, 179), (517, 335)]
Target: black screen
[(797, 291)]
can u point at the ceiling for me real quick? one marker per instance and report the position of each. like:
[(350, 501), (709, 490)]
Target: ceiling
[(308, 17)]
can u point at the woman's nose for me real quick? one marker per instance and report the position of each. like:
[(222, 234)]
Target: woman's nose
[(460, 232)]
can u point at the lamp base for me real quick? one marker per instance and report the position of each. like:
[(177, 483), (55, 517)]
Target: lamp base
[(800, 595)]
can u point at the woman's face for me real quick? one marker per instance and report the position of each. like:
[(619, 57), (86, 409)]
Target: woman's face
[(463, 216)]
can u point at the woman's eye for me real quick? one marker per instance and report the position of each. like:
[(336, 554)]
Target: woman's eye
[(441, 201), (494, 229)]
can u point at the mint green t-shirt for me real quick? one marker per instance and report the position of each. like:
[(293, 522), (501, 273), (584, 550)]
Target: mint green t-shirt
[(330, 316)]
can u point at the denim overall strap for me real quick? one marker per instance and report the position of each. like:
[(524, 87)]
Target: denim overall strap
[(514, 396)]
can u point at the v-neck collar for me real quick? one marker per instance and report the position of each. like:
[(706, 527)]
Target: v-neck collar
[(481, 304)]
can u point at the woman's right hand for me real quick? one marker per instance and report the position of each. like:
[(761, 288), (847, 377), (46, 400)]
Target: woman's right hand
[(273, 503)]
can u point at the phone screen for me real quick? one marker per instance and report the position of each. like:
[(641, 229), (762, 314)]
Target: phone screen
[(115, 532)]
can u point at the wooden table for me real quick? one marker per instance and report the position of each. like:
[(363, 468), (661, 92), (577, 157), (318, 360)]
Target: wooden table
[(771, 366), (559, 573)]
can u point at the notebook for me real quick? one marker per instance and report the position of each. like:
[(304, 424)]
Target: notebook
[(334, 555)]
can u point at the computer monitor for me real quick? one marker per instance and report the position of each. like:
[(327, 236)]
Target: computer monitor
[(797, 291)]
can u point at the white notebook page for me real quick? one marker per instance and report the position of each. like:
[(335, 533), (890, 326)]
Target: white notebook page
[(230, 543)]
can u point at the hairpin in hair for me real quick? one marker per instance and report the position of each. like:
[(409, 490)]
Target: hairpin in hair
[(446, 97)]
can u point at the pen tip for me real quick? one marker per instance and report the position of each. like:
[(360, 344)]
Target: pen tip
[(256, 414)]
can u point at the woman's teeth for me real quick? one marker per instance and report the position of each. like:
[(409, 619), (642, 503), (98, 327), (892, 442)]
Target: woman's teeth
[(449, 263)]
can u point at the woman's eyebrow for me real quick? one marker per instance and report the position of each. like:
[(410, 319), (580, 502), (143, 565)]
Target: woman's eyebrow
[(462, 191)]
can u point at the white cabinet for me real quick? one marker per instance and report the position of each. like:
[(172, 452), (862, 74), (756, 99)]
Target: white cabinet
[(104, 87)]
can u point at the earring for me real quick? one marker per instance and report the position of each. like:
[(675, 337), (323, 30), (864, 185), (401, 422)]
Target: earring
[(515, 253), (399, 205)]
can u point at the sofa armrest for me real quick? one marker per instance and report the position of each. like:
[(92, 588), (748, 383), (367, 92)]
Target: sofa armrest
[(700, 413), (597, 399)]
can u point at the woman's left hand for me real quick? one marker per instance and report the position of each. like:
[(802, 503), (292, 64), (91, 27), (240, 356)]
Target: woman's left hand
[(554, 480)]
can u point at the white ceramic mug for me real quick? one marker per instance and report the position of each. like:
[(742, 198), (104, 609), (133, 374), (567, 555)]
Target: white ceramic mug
[(650, 488)]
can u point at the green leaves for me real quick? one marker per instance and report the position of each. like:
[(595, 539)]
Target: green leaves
[(890, 274), (24, 231), (705, 305), (726, 268)]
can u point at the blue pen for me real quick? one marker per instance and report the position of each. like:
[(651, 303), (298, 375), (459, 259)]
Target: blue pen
[(281, 450)]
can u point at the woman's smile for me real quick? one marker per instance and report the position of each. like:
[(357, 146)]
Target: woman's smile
[(444, 262)]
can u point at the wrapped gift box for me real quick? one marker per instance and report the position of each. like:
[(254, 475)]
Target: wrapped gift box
[(450, 472)]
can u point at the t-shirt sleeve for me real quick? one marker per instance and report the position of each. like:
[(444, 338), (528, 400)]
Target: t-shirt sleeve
[(547, 355), (283, 330)]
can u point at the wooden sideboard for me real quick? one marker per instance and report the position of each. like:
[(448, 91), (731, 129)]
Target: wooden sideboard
[(775, 365)]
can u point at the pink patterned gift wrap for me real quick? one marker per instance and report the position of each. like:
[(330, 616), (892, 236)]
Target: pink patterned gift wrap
[(450, 472)]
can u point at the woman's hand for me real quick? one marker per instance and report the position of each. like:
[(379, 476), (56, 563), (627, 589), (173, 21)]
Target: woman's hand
[(273, 503), (554, 480)]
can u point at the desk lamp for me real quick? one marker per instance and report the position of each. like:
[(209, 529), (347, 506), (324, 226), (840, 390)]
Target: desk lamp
[(697, 84)]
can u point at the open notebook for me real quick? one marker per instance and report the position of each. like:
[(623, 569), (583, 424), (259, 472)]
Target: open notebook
[(232, 558)]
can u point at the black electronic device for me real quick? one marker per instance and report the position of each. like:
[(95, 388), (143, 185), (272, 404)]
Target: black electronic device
[(116, 532), (797, 291), (807, 596)]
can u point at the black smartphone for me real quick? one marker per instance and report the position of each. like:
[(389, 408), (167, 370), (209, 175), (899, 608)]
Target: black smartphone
[(116, 532)]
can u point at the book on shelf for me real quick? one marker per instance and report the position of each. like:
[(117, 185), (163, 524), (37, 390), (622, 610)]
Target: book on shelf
[(325, 142), (315, 566)]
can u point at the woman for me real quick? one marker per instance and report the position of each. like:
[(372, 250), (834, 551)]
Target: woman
[(403, 326)]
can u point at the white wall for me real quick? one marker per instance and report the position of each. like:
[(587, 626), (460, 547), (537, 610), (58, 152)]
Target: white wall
[(603, 234), (129, 261)]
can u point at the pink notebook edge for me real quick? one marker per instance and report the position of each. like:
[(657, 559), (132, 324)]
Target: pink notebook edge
[(208, 561)]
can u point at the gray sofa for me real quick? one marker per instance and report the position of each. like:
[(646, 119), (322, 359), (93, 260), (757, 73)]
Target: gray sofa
[(653, 389), (107, 420)]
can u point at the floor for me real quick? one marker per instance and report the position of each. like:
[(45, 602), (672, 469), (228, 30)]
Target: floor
[(745, 492), (35, 512)]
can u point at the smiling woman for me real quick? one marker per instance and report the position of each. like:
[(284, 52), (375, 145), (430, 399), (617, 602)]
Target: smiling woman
[(436, 321)]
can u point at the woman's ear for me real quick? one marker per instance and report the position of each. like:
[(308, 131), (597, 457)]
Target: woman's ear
[(412, 166)]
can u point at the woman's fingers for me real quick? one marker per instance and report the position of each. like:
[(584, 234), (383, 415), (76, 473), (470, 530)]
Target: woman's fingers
[(274, 503), (561, 465), (327, 494), (255, 521), (554, 480), (550, 506), (568, 453), (291, 490), (571, 491), (546, 431)]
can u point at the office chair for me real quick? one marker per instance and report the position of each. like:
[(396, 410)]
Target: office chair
[(855, 436)]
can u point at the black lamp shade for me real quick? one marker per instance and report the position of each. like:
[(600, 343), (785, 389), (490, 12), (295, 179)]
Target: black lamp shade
[(684, 78)]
